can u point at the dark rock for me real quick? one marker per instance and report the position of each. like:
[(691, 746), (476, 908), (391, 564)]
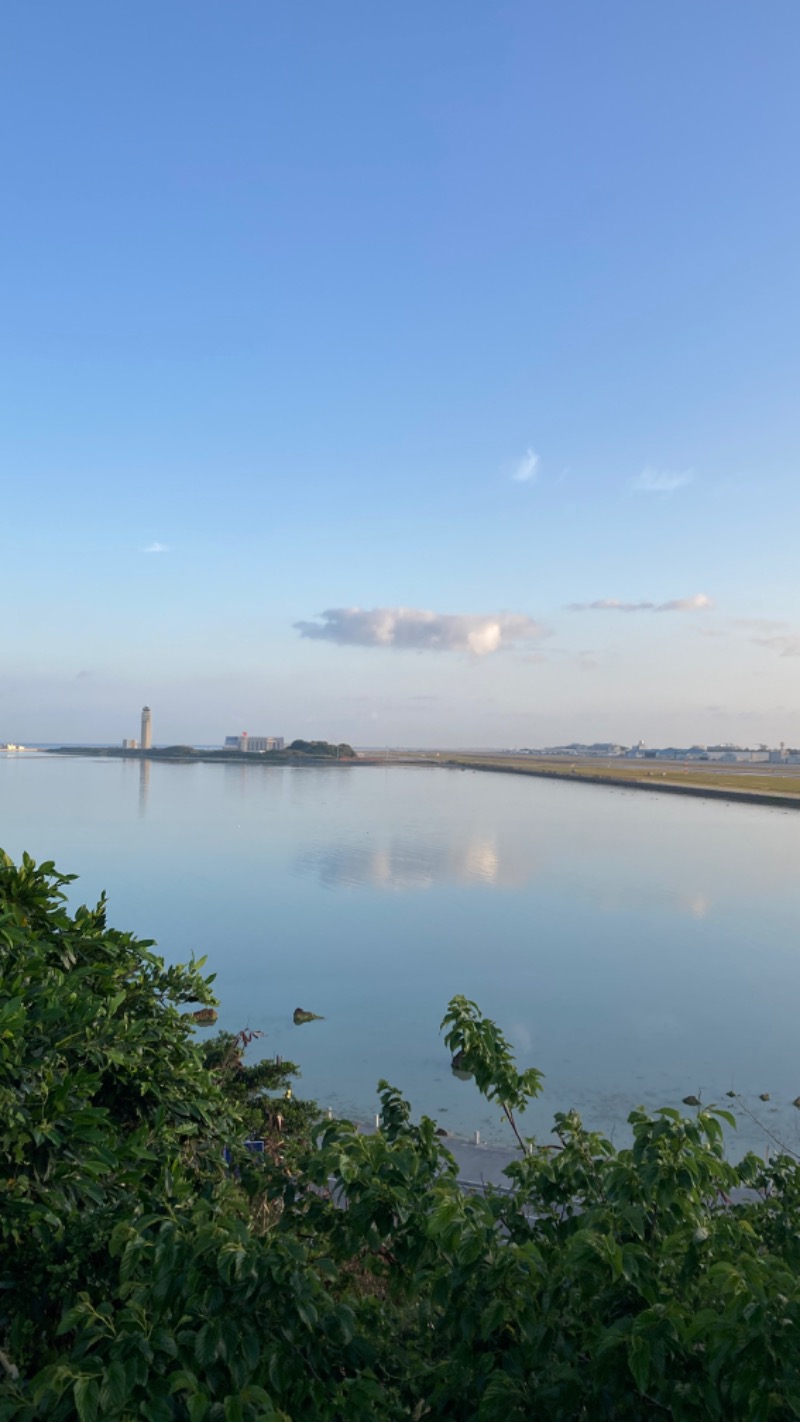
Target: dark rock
[(204, 1016)]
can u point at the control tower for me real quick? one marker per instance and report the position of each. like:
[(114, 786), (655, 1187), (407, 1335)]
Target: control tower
[(145, 740)]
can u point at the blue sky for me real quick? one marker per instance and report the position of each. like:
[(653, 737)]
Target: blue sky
[(478, 318)]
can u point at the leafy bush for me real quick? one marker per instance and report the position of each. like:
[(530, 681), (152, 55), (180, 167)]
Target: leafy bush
[(138, 1281), (324, 748), (282, 1121)]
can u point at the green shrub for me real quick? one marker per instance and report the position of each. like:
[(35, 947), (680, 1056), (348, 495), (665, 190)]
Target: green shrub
[(138, 1281)]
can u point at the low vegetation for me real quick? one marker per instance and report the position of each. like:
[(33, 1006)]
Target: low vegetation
[(324, 749), (154, 1266)]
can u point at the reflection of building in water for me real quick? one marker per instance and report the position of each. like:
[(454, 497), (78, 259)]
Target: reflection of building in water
[(256, 744), (144, 785)]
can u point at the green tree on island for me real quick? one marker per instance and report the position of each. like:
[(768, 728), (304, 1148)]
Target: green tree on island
[(153, 1267), (342, 751)]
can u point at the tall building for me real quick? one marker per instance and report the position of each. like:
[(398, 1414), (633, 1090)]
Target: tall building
[(146, 738), (258, 745)]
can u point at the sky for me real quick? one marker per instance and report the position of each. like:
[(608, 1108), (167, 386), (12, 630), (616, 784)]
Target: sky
[(405, 375)]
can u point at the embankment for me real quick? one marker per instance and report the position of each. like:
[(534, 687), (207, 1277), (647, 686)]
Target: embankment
[(740, 795)]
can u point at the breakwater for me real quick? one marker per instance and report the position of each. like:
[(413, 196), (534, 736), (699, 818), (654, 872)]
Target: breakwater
[(780, 799)]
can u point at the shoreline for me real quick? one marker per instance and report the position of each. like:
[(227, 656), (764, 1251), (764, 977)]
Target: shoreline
[(775, 799), (178, 755), (586, 775)]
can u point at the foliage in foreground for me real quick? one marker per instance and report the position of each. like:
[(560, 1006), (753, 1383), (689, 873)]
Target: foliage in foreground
[(137, 1280)]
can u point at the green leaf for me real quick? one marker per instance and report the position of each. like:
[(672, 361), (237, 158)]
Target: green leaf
[(87, 1397), (307, 1312), (183, 1381), (164, 1342), (114, 1388), (725, 1116), (639, 1360), (206, 1344)]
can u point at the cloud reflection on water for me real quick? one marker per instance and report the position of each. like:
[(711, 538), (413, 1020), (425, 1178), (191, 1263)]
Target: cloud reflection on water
[(404, 864), (414, 863)]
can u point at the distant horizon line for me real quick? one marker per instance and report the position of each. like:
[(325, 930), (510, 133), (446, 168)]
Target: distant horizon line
[(597, 747)]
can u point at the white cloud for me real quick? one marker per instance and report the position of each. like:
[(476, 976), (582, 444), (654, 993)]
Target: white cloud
[(699, 602), (156, 548), (527, 468), (411, 628), (660, 481)]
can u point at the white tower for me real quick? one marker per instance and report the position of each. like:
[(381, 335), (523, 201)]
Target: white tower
[(145, 741)]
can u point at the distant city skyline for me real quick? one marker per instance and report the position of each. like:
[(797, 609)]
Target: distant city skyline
[(416, 376), (256, 744)]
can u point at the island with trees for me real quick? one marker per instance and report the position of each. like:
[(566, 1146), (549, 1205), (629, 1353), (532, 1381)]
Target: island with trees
[(298, 753)]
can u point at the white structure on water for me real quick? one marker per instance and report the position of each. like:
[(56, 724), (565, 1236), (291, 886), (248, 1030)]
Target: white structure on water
[(257, 745), (146, 737)]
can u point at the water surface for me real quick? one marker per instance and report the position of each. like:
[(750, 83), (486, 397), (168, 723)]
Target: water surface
[(635, 947)]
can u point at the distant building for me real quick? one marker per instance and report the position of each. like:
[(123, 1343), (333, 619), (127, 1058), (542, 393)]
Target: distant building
[(728, 755), (257, 745), (146, 739), (735, 754), (636, 752), (130, 745), (605, 748)]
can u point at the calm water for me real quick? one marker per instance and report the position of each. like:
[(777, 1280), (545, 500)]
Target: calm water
[(635, 947)]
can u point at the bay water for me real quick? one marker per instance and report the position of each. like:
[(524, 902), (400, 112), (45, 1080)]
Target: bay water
[(636, 947)]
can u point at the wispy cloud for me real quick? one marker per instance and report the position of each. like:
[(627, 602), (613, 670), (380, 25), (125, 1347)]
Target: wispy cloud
[(526, 469), (584, 660), (660, 481), (698, 603), (786, 644), (763, 625), (416, 629), (773, 633), (156, 548)]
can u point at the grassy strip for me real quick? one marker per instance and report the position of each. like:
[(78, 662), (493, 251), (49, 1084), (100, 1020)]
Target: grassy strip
[(759, 789)]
